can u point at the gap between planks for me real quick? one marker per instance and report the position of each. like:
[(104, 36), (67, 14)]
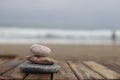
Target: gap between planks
[(7, 68), (88, 70), (65, 73), (111, 64), (84, 73), (102, 70)]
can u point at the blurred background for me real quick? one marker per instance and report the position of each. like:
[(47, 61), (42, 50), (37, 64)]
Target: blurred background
[(73, 29)]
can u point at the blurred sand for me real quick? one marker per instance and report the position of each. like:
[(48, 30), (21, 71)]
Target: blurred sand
[(67, 52)]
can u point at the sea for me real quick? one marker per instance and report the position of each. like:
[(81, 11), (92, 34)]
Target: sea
[(20, 34)]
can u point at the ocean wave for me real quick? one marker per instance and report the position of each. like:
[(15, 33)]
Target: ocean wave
[(15, 34)]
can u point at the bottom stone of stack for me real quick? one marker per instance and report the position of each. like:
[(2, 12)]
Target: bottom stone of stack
[(29, 67)]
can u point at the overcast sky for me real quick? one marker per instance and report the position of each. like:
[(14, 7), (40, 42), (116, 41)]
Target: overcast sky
[(61, 13)]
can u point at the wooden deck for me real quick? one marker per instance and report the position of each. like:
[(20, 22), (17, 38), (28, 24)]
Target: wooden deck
[(85, 70)]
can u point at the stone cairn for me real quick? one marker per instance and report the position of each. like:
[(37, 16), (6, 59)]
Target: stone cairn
[(39, 61)]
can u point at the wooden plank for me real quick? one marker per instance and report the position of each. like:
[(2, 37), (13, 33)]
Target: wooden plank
[(7, 75), (17, 74), (112, 65), (115, 62), (14, 73), (4, 59), (7, 56), (8, 65), (12, 67), (38, 77), (104, 71), (65, 73), (83, 72)]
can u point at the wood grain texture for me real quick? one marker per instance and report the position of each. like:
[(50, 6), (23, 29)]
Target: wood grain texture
[(103, 70), (65, 73), (7, 75), (9, 65), (87, 70), (112, 65), (115, 62), (17, 74), (83, 72), (4, 59), (38, 77)]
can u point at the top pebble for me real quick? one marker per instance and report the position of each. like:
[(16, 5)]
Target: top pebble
[(40, 50)]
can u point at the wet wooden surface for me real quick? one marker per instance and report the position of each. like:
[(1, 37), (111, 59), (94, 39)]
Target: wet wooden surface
[(70, 70)]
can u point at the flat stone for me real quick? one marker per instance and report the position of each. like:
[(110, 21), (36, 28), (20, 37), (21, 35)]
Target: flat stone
[(40, 60), (40, 50), (29, 67)]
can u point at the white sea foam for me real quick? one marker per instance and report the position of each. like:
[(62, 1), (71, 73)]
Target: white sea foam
[(39, 35)]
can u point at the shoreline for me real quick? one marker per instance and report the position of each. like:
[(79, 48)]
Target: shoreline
[(60, 43)]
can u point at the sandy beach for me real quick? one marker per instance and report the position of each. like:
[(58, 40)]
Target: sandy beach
[(67, 52)]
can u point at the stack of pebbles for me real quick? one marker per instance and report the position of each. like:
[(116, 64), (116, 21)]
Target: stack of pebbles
[(39, 61)]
